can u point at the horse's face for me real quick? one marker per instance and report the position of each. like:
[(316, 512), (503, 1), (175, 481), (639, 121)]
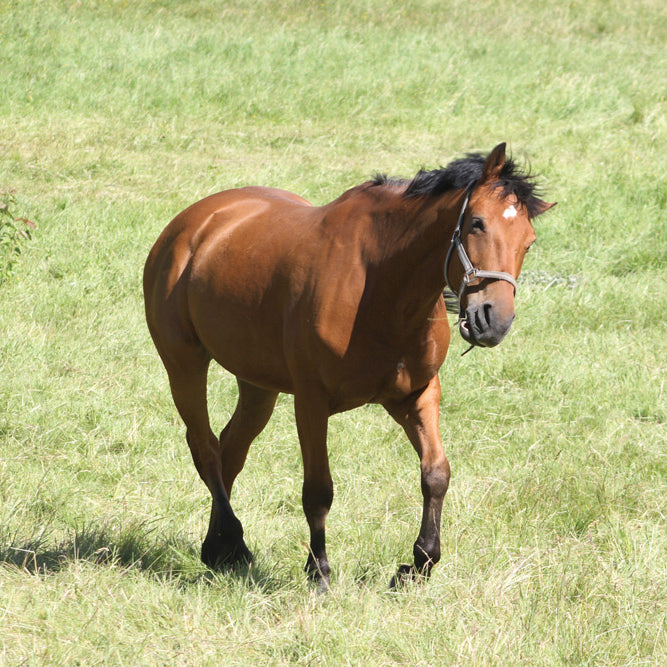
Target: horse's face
[(497, 233)]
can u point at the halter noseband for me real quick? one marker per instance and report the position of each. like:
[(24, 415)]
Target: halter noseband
[(470, 272)]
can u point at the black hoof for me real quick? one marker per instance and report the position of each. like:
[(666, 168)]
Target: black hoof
[(319, 575), (405, 574), (220, 555), (321, 584)]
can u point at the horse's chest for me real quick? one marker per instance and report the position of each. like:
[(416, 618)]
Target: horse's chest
[(383, 375), (408, 376), (404, 378)]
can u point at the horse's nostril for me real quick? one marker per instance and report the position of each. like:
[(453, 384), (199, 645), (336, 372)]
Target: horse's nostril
[(482, 317), (480, 324), (487, 313)]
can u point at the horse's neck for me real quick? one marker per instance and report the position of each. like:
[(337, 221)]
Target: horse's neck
[(412, 238)]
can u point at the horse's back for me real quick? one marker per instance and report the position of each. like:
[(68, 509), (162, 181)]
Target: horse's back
[(211, 222)]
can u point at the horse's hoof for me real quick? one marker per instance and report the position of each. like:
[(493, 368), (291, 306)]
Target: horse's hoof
[(222, 555), (404, 574), (319, 575), (322, 583)]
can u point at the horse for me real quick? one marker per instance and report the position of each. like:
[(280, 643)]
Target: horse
[(339, 305)]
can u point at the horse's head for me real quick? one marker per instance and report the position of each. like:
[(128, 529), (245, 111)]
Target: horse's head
[(494, 232)]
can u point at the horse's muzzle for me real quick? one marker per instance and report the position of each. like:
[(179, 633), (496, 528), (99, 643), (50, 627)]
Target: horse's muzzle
[(484, 326)]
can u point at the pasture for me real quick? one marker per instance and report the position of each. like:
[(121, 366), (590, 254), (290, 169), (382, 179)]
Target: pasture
[(114, 116)]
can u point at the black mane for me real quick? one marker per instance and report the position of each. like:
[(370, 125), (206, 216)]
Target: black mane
[(462, 173)]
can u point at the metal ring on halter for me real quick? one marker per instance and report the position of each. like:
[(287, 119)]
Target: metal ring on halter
[(470, 273)]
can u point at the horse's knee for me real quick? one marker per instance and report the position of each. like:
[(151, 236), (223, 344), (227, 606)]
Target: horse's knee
[(435, 478), (317, 498)]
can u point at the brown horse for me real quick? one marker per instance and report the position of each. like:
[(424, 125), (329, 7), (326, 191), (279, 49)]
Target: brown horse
[(340, 305)]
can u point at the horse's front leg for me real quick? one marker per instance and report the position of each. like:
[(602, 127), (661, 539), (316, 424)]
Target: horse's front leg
[(312, 414), (419, 417)]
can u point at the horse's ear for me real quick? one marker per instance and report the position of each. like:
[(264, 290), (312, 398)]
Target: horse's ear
[(494, 163), (542, 206)]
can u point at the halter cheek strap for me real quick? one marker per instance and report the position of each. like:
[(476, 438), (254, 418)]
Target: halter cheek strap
[(470, 272)]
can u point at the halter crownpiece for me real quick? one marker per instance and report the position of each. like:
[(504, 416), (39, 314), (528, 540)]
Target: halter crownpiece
[(470, 272)]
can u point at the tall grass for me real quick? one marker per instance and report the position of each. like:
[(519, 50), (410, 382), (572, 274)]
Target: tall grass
[(115, 115)]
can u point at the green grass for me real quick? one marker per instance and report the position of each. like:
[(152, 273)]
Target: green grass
[(116, 115)]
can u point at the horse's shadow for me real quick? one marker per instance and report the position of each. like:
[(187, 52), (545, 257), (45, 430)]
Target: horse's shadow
[(172, 560)]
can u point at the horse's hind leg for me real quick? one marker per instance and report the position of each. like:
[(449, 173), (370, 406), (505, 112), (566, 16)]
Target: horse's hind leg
[(253, 410), (224, 542)]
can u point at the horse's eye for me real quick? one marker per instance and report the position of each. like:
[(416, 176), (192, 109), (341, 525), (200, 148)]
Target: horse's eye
[(478, 225)]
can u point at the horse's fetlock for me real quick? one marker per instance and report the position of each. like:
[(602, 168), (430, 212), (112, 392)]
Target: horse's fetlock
[(426, 554), (233, 530)]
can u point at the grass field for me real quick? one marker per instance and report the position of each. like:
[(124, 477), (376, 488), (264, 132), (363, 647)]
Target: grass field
[(115, 115)]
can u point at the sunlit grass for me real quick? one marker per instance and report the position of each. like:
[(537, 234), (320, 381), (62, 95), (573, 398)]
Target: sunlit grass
[(116, 115)]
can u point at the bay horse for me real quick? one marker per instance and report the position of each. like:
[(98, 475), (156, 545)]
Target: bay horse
[(340, 305)]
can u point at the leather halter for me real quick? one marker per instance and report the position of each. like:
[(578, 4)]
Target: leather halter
[(470, 272)]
